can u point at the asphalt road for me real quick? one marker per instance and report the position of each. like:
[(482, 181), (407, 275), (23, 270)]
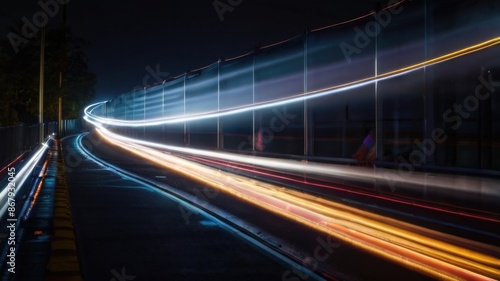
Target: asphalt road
[(130, 231), (126, 229)]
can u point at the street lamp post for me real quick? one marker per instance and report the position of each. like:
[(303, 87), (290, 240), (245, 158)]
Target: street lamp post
[(42, 63)]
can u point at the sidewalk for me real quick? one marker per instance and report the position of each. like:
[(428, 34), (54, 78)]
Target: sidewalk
[(47, 248)]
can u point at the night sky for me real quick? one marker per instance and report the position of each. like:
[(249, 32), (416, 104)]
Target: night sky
[(129, 39)]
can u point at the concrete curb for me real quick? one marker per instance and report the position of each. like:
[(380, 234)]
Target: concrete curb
[(63, 262)]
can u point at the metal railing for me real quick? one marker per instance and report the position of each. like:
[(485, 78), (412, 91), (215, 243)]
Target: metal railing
[(444, 112), (21, 138)]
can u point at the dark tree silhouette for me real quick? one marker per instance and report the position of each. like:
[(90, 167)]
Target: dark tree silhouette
[(66, 75)]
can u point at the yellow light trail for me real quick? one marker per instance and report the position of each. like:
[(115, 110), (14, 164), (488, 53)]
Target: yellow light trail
[(430, 252), (292, 98)]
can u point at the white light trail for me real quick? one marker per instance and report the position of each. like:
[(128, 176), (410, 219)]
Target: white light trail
[(430, 252), (417, 180), (290, 99), (21, 176)]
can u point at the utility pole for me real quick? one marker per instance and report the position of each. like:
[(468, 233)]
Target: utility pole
[(59, 119), (62, 68), (40, 90)]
